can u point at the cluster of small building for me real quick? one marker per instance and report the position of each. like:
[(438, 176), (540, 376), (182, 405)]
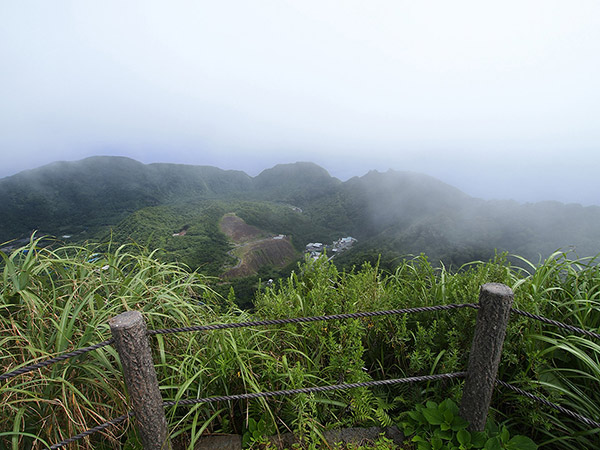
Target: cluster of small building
[(316, 249)]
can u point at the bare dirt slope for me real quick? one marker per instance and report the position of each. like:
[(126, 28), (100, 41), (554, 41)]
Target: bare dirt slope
[(239, 231), (254, 248)]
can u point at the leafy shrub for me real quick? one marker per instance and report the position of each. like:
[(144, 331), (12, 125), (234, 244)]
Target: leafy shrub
[(56, 299), (440, 427)]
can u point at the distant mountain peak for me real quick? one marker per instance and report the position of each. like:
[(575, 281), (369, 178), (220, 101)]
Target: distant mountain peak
[(299, 168), (401, 210)]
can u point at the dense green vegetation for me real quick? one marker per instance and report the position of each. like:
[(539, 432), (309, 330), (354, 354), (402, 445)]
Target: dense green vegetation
[(393, 214), (55, 299), (203, 245), (85, 197), (436, 426)]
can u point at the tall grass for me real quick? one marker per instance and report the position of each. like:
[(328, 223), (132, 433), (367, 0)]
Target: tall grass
[(57, 300), (54, 300), (567, 289)]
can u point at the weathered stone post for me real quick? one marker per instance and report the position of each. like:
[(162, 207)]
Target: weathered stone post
[(495, 301), (129, 332)]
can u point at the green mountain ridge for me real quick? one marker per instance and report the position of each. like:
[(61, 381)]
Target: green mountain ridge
[(391, 213)]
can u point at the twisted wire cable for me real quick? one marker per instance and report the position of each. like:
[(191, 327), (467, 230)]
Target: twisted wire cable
[(358, 315), (188, 402), (568, 412), (75, 438), (50, 361), (309, 390), (287, 392), (556, 323)]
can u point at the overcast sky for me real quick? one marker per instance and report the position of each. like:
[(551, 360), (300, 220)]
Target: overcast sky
[(501, 99)]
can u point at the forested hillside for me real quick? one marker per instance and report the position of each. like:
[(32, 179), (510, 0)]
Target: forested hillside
[(392, 214), (87, 195)]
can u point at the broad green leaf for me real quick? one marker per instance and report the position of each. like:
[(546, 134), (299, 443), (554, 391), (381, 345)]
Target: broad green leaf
[(424, 446), (433, 416), (417, 416), (478, 439), (448, 417), (493, 444), (464, 437), (521, 443)]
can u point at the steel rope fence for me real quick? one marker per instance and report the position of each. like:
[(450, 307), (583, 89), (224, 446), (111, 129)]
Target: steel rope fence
[(222, 326), (359, 315), (316, 389), (186, 402), (335, 387), (79, 436), (556, 323), (56, 359), (254, 395), (543, 401), (266, 322)]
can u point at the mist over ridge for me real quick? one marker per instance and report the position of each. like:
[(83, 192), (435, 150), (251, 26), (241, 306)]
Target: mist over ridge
[(391, 213)]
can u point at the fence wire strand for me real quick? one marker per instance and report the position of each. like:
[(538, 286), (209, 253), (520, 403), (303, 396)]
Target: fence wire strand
[(358, 315), (335, 387), (556, 323), (286, 392), (79, 436), (543, 401), (56, 359), (222, 326)]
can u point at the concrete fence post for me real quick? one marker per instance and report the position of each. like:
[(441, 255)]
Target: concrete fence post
[(129, 332), (495, 301)]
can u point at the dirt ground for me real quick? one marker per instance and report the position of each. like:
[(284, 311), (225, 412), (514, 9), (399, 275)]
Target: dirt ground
[(239, 231), (254, 248)]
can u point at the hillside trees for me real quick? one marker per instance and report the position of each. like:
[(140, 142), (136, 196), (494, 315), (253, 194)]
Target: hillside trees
[(393, 213)]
